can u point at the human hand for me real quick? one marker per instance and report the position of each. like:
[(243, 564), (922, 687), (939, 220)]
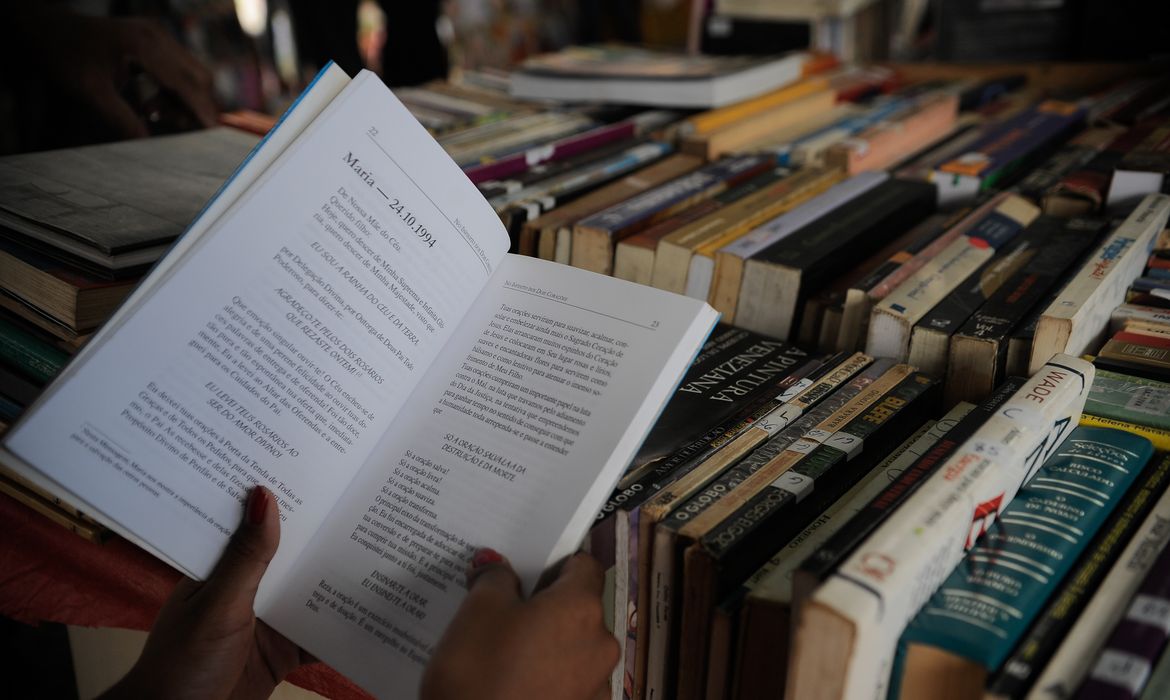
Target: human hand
[(92, 57), (207, 642), (553, 645)]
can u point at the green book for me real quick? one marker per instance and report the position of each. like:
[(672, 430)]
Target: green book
[(1130, 399), (973, 621), (29, 355)]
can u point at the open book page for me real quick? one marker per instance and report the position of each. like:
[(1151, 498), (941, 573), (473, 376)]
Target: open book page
[(282, 346), (513, 440)]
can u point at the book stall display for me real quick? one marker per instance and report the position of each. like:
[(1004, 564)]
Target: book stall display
[(855, 377)]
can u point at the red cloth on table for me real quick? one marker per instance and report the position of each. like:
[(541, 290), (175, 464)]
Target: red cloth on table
[(48, 574)]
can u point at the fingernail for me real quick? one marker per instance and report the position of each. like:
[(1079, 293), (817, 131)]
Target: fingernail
[(486, 556), (257, 505)]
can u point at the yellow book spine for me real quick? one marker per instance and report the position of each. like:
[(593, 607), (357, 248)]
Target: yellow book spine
[(715, 119), (1160, 438)]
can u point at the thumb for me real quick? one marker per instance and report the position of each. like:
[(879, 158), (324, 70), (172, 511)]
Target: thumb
[(491, 578), (250, 549)]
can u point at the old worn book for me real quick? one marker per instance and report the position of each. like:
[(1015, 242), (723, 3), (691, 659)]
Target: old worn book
[(539, 236), (1007, 149), (68, 295), (778, 279), (601, 231), (1042, 185), (672, 257), (1130, 528), (738, 136), (767, 597), (666, 564), (1137, 642), (1077, 320), (866, 604), (986, 230), (929, 119), (1142, 170), (978, 352), (366, 316), (727, 277), (1071, 661), (702, 265), (115, 208), (1084, 191), (967, 629), (1130, 399), (723, 557)]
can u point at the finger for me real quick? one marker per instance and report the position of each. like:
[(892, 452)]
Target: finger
[(491, 575), (250, 549), (581, 573), (115, 111)]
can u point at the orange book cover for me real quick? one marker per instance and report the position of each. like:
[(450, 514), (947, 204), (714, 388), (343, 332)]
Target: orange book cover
[(885, 144)]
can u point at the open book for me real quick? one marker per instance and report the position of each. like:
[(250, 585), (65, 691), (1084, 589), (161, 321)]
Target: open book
[(343, 325)]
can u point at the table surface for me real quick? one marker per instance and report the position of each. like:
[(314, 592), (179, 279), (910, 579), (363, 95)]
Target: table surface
[(48, 574)]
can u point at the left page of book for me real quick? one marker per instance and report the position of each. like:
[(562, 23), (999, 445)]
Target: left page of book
[(280, 347)]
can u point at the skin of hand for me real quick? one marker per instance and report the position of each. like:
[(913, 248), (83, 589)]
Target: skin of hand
[(90, 59), (207, 642), (552, 646)]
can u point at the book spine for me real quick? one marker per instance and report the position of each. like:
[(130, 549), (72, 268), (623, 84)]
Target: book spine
[(895, 315), (1129, 400), (1160, 438), (29, 355), (829, 556), (740, 543), (989, 601), (1130, 524), (557, 150), (642, 210), (978, 354), (1078, 317), (1123, 668), (1069, 664), (882, 585)]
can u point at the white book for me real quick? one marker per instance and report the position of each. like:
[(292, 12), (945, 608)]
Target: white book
[(849, 627), (343, 325), (1072, 660), (986, 230), (1076, 321)]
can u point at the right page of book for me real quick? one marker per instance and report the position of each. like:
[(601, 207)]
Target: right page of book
[(513, 440)]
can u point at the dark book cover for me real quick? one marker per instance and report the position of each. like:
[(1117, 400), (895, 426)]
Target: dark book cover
[(730, 552), (829, 556), (1062, 248), (736, 367), (925, 233), (854, 233), (1091, 182), (1020, 670)]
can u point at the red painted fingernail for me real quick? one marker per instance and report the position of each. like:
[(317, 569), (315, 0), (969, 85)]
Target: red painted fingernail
[(486, 556), (257, 505)]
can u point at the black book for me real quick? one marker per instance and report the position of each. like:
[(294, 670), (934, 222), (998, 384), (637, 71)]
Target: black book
[(833, 552), (930, 339), (978, 353), (777, 280), (736, 367), (1017, 674), (731, 551)]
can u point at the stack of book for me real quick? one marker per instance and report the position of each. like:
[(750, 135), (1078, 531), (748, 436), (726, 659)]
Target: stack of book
[(893, 466)]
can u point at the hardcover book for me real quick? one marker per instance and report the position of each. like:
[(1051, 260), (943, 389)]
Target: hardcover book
[(367, 317)]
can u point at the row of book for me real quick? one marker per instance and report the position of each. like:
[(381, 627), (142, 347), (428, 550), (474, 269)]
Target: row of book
[(835, 529)]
